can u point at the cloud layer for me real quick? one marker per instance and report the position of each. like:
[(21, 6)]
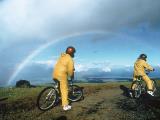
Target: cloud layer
[(51, 18)]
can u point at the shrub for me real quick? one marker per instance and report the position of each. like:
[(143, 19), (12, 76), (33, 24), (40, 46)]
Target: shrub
[(23, 84)]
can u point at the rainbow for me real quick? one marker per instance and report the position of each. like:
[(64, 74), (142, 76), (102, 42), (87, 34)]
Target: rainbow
[(43, 47)]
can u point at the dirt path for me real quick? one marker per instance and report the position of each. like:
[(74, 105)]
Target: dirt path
[(100, 105)]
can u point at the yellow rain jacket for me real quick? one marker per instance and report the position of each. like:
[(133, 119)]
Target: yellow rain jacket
[(139, 69), (64, 68), (140, 66)]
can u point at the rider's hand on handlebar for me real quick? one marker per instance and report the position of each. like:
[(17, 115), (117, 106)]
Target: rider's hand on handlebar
[(72, 77), (148, 71)]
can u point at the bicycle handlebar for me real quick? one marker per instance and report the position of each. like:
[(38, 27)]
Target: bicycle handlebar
[(148, 71)]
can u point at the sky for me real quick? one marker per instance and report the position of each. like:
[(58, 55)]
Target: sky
[(106, 33)]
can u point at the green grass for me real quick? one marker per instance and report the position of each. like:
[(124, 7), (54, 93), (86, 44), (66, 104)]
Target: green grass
[(14, 94)]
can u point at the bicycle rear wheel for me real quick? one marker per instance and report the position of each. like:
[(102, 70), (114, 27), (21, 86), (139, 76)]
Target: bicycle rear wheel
[(47, 98), (137, 89), (75, 93)]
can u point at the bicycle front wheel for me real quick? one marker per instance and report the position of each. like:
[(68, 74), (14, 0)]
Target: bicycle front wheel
[(75, 93), (47, 98), (155, 88)]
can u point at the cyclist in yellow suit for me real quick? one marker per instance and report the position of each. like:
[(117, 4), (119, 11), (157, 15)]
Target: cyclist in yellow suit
[(139, 70), (63, 69)]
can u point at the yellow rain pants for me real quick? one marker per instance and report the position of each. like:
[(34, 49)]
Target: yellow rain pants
[(139, 70), (64, 68)]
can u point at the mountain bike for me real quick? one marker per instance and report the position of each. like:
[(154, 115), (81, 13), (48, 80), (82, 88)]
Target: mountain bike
[(50, 96), (141, 88)]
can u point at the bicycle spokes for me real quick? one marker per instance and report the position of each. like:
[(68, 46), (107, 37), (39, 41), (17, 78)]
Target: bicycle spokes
[(50, 94), (47, 98)]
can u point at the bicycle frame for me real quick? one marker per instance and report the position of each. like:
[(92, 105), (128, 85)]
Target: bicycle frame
[(57, 87), (140, 82)]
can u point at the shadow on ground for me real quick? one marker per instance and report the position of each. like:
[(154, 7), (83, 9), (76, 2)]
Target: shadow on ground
[(126, 91)]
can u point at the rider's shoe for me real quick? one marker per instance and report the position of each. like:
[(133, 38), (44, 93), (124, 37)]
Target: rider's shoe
[(131, 94), (66, 107), (150, 93)]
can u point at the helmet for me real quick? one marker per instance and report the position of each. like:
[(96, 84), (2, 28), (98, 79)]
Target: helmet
[(70, 50), (143, 56)]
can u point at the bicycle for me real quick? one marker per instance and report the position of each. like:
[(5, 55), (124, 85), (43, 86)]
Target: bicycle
[(50, 96), (140, 88)]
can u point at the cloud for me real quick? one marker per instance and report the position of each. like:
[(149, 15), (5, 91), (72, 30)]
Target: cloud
[(106, 69), (99, 65), (52, 18), (79, 67), (40, 21), (47, 63), (35, 22)]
